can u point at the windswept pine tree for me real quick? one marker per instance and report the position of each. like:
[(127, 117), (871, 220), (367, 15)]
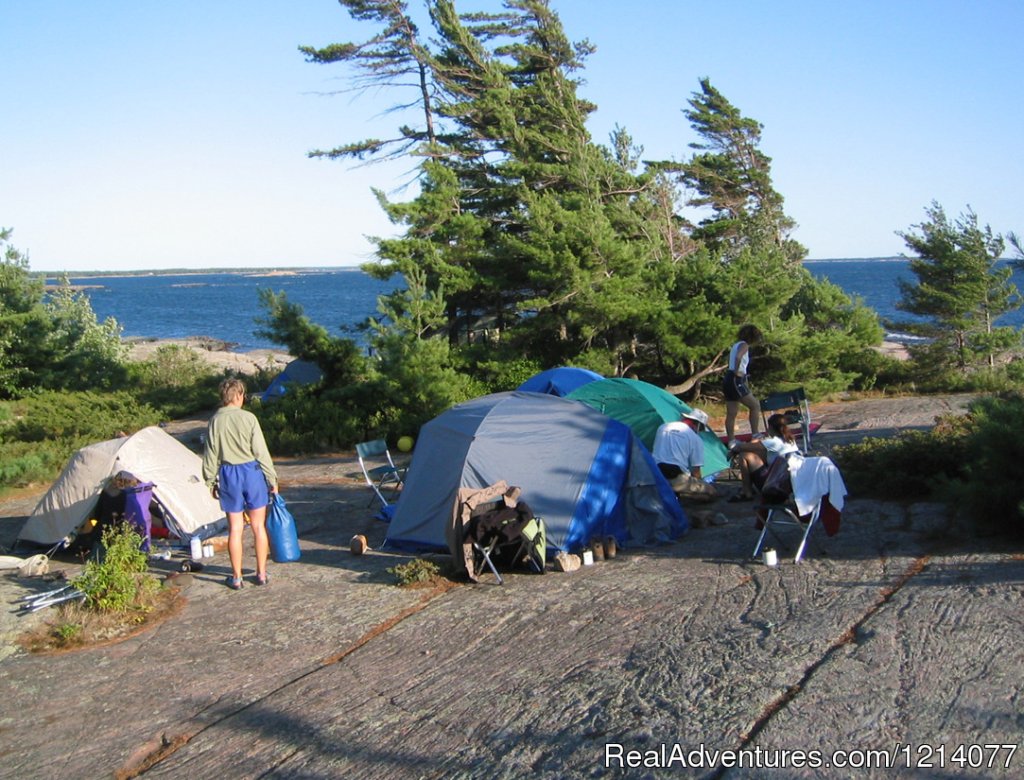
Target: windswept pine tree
[(731, 175), (961, 291), (51, 340), (537, 246), (393, 58)]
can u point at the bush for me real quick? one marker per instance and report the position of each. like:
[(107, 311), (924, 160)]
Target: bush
[(22, 464), (303, 421), (39, 432), (118, 582), (415, 572), (176, 381), (993, 491), (494, 375), (914, 465), (974, 461), (50, 415)]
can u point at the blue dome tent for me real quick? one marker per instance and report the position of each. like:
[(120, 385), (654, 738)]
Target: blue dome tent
[(559, 381)]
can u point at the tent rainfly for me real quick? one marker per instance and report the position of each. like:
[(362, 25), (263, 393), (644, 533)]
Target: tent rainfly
[(643, 407), (298, 372), (559, 381)]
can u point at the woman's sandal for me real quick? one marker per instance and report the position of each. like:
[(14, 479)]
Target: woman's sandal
[(262, 579), (235, 583)]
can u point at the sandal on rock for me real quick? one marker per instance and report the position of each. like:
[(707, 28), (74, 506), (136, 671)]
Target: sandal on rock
[(235, 583), (739, 498)]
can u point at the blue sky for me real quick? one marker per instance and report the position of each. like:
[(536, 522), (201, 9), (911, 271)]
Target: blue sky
[(144, 134)]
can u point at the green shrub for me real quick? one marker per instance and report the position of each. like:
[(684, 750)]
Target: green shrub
[(303, 421), (415, 572), (177, 382), (993, 492), (974, 461), (23, 464), (497, 375), (68, 634), (38, 433), (914, 465), (49, 415), (118, 582)]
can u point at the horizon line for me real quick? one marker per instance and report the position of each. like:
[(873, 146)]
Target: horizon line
[(300, 268)]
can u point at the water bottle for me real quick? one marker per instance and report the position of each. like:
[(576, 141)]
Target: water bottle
[(196, 548)]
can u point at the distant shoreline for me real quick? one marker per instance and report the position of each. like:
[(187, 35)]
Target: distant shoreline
[(220, 355), (288, 271), (276, 271), (216, 353)]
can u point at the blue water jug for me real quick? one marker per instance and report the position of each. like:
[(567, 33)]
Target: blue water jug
[(284, 540)]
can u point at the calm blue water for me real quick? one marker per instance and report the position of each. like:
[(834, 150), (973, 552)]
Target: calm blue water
[(876, 282), (223, 305)]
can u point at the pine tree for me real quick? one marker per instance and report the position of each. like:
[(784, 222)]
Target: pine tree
[(732, 176), (51, 340), (392, 58), (568, 251), (960, 289)]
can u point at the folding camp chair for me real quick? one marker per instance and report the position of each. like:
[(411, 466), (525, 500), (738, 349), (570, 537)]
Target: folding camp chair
[(794, 405), (509, 535), (778, 508), (385, 475), (482, 552), (533, 544), (530, 547)]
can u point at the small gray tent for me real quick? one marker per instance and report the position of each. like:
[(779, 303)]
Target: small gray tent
[(584, 473), (151, 455)]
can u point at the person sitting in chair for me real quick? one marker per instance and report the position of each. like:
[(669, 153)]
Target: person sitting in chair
[(754, 457), (679, 453)]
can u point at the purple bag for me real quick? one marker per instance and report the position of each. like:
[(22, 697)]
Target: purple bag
[(136, 511)]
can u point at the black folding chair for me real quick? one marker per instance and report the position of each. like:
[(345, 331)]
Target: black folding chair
[(507, 535)]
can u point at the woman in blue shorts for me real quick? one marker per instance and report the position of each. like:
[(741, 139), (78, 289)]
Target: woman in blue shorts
[(734, 384), (239, 472)]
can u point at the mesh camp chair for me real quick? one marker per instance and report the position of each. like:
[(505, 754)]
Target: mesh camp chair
[(379, 470), (794, 405), (778, 508)]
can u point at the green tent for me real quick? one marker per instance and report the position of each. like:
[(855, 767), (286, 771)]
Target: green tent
[(643, 407)]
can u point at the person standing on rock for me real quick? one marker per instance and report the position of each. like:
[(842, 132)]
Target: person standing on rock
[(240, 473), (735, 385)]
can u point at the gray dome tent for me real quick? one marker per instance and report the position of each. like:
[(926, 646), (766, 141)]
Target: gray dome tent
[(584, 473)]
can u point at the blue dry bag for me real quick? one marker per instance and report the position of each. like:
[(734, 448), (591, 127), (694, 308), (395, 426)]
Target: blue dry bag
[(284, 541)]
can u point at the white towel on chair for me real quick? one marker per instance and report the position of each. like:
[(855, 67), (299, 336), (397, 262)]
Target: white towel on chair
[(813, 478)]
